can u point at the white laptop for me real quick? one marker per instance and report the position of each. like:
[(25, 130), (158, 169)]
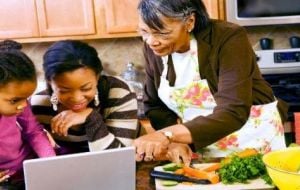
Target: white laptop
[(112, 169)]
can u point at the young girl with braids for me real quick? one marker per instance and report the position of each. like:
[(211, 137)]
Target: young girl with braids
[(21, 136)]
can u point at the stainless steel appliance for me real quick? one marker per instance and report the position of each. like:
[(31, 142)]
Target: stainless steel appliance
[(281, 68), (279, 61), (263, 12)]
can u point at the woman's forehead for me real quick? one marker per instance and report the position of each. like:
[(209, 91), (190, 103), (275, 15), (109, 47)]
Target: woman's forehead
[(80, 74)]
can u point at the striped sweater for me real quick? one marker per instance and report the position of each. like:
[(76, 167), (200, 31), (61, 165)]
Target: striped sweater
[(112, 124)]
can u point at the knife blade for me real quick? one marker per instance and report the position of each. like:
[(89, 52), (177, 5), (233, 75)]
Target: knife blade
[(177, 177)]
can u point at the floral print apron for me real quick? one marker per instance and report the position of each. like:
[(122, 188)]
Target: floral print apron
[(191, 97)]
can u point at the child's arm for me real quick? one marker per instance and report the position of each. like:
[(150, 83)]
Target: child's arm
[(34, 134)]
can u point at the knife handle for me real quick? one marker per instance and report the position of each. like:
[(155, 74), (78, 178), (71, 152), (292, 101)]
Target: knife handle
[(177, 177)]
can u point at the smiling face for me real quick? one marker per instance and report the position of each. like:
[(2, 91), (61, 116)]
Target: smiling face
[(175, 37), (13, 96), (75, 89)]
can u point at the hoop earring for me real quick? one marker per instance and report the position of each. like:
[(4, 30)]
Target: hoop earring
[(96, 98), (54, 101)]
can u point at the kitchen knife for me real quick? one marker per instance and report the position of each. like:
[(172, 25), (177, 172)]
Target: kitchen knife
[(177, 177)]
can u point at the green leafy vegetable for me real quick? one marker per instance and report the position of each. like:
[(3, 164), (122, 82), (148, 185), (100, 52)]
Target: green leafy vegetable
[(242, 169)]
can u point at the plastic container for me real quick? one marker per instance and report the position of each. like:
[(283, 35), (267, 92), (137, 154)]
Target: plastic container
[(282, 166), (133, 77)]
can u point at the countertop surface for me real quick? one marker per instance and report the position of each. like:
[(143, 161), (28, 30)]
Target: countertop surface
[(143, 179)]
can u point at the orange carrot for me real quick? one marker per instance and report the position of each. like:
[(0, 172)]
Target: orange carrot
[(243, 154), (179, 171), (200, 174), (212, 167), (247, 152)]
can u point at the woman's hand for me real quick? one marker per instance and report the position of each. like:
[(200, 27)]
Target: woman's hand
[(61, 123), (178, 153), (4, 175), (150, 146)]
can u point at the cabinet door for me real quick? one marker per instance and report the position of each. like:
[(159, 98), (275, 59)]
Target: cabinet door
[(18, 19), (121, 16), (212, 8), (65, 17)]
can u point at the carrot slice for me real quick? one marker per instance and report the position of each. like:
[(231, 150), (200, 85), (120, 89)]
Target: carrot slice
[(247, 152), (200, 174), (212, 167), (243, 154), (179, 171)]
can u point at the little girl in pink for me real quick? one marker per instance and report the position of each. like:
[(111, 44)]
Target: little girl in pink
[(21, 136)]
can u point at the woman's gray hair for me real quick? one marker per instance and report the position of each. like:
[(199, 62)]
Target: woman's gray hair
[(152, 10)]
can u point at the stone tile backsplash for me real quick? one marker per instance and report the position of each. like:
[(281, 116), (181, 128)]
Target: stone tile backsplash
[(115, 53)]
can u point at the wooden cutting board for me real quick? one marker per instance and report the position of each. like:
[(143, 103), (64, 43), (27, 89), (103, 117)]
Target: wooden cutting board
[(253, 184)]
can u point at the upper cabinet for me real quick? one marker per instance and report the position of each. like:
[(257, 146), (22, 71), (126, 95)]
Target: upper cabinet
[(65, 17), (51, 20), (47, 20), (215, 8), (18, 19), (117, 18)]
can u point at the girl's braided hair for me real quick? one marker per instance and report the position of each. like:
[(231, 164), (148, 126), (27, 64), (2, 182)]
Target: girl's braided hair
[(14, 64)]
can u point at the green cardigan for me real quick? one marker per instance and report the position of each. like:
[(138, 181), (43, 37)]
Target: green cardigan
[(228, 62)]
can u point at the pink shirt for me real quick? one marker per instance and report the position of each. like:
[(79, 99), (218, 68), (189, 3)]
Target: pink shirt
[(20, 143)]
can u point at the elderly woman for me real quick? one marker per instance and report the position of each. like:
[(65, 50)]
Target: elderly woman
[(83, 109), (203, 86)]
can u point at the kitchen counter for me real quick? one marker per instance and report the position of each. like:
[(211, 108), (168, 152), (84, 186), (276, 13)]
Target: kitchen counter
[(143, 179)]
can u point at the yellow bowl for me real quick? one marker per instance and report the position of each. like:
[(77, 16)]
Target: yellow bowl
[(282, 166)]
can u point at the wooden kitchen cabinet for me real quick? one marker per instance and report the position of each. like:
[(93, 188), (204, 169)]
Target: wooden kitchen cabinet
[(215, 8), (65, 17), (117, 18), (18, 19), (52, 20), (46, 20)]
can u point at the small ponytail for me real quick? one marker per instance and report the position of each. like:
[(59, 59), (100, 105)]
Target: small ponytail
[(8, 45), (14, 64)]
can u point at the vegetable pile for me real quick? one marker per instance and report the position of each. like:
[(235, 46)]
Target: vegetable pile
[(238, 167), (243, 167)]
